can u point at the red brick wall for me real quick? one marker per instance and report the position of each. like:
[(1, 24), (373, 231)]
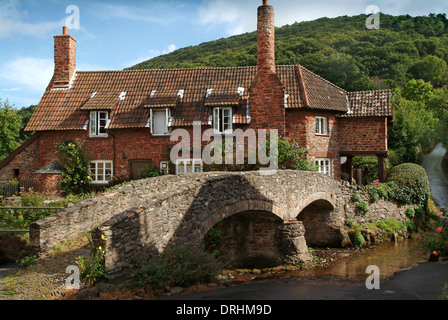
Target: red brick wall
[(64, 59), (363, 134), (301, 127), (26, 161)]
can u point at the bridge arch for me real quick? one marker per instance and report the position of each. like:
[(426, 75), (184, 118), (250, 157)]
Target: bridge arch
[(183, 209), (320, 220)]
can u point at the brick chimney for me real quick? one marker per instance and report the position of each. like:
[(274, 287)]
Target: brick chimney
[(267, 92), (266, 39), (64, 59)]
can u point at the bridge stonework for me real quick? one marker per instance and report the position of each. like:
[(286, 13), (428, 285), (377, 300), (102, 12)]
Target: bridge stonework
[(202, 201), (282, 214)]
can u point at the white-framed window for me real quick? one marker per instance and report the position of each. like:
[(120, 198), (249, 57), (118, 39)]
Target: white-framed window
[(101, 171), (321, 126), (184, 166), (159, 121), (323, 166), (222, 120), (99, 121)]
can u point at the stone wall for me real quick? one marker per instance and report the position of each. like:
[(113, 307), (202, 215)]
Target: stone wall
[(140, 219), (380, 210)]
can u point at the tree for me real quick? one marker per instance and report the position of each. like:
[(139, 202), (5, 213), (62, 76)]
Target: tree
[(10, 125), (26, 113), (418, 90), (414, 127), (431, 69)]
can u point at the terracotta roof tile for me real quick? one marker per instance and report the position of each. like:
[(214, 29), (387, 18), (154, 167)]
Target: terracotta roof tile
[(370, 104), (69, 109), (322, 94), (105, 100)]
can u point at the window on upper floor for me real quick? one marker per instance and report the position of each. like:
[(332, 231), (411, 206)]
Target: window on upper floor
[(159, 121), (323, 166), (321, 126), (100, 171), (99, 120), (222, 120)]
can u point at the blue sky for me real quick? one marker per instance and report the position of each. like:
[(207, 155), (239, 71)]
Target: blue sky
[(116, 34)]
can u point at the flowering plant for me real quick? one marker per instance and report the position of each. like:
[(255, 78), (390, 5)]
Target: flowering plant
[(435, 242), (76, 178)]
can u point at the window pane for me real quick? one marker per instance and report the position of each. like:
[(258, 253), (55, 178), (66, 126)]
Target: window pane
[(102, 126), (216, 119), (160, 122), (93, 124)]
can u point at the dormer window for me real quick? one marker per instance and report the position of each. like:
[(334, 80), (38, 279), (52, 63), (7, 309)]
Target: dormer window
[(99, 121), (159, 121), (222, 120)]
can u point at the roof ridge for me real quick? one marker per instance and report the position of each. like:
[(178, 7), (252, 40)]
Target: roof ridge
[(170, 69), (181, 69)]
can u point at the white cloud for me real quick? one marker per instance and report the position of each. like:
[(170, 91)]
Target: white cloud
[(11, 22), (232, 15), (27, 74), (152, 53)]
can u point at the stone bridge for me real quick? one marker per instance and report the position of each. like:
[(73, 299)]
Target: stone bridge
[(262, 218)]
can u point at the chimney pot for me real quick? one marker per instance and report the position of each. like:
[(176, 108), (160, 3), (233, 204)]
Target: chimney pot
[(64, 30), (265, 2)]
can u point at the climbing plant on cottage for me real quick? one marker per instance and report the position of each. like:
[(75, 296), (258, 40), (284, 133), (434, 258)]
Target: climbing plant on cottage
[(76, 178)]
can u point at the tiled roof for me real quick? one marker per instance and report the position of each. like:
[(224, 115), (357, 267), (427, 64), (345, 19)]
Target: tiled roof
[(129, 95), (322, 94), (105, 100), (370, 104)]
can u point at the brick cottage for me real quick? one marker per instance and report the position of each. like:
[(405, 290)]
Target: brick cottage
[(126, 117)]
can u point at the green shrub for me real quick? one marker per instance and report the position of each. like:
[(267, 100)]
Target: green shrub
[(150, 172), (76, 178), (369, 167), (410, 212), (358, 240), (378, 191), (411, 184), (92, 268), (178, 265), (374, 197), (22, 219), (362, 208), (356, 198), (27, 261), (436, 240)]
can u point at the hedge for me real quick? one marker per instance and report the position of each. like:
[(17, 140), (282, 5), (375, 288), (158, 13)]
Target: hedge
[(410, 184)]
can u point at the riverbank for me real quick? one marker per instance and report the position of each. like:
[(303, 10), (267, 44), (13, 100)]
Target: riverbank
[(421, 281)]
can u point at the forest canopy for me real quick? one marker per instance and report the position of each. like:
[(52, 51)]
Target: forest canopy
[(341, 50)]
